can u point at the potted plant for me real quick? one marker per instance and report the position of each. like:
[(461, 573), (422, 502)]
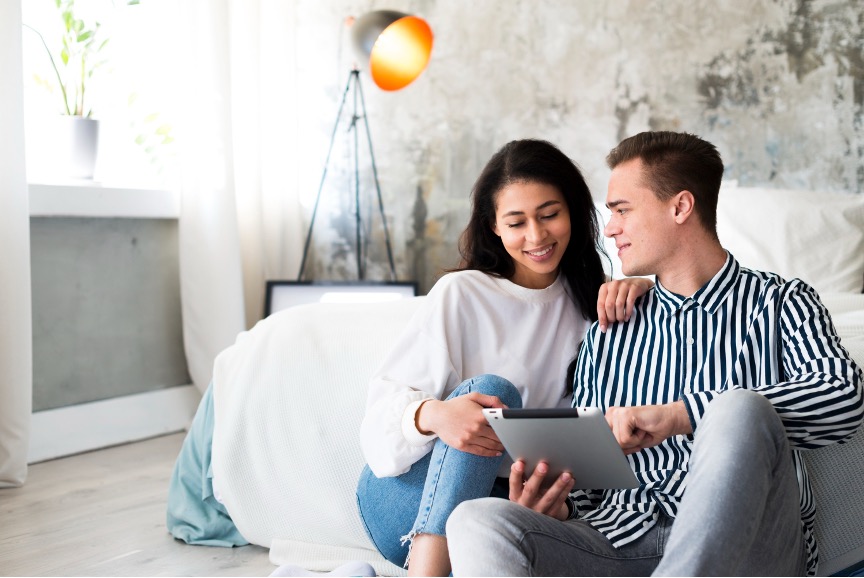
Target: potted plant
[(75, 60)]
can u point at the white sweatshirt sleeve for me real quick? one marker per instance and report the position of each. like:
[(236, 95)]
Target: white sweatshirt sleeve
[(420, 366)]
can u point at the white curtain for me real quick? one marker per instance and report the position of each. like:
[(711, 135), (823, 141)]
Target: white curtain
[(16, 350), (240, 222)]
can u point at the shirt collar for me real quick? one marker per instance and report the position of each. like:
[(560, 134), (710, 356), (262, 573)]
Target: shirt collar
[(709, 296)]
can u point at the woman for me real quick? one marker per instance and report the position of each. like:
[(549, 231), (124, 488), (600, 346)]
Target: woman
[(518, 307)]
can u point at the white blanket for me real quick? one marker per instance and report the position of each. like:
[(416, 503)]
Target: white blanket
[(289, 397)]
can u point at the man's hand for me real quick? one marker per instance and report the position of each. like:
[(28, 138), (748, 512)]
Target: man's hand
[(460, 423), (639, 427), (531, 494), (616, 298)]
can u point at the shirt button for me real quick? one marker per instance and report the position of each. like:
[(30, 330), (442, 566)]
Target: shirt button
[(690, 341), (646, 524), (676, 476)]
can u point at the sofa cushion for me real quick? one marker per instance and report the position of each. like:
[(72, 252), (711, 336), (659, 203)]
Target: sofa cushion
[(817, 236)]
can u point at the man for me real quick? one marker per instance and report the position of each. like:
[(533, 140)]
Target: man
[(719, 379)]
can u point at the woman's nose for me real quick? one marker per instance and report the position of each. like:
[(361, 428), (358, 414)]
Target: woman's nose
[(536, 232)]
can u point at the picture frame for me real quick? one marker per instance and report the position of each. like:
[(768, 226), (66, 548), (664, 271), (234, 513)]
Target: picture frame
[(283, 294)]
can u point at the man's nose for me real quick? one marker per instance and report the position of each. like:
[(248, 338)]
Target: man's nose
[(612, 228)]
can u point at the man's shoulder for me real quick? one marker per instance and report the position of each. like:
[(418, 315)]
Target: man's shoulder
[(767, 278), (772, 285)]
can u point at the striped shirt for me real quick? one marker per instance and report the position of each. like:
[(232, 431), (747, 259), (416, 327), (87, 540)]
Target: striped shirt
[(743, 329)]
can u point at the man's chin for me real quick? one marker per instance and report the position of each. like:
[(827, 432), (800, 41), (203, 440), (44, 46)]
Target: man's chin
[(632, 271)]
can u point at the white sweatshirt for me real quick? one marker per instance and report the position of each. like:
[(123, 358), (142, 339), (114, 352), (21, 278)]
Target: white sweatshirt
[(470, 323)]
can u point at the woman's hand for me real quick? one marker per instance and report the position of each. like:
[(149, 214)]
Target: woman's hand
[(460, 423), (616, 299), (551, 501)]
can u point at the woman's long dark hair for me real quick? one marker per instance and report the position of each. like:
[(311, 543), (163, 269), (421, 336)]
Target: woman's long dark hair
[(536, 161)]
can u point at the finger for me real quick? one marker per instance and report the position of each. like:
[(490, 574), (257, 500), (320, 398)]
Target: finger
[(631, 303), (620, 426), (556, 494), (480, 434), (621, 305), (640, 442), (478, 450), (490, 442), (532, 489), (629, 438), (611, 315), (610, 414), (517, 471), (602, 320), (486, 400), (492, 439)]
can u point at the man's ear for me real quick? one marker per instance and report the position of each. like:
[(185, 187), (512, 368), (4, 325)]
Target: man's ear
[(685, 206)]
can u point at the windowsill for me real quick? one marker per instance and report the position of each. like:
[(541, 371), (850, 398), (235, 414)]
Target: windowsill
[(93, 199)]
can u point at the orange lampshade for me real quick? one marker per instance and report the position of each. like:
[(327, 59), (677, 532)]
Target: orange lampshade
[(397, 45)]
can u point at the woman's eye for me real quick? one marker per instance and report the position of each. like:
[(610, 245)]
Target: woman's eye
[(514, 225), (552, 216)]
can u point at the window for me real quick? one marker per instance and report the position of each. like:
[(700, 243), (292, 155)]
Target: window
[(127, 87)]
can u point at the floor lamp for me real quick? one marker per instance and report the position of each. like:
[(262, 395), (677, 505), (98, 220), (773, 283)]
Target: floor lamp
[(397, 48)]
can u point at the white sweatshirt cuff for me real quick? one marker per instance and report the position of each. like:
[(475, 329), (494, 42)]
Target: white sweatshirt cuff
[(409, 425)]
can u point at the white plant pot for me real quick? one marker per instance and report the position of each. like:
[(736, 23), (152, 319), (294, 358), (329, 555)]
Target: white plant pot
[(77, 141)]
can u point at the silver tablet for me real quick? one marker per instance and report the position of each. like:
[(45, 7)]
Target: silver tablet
[(576, 440)]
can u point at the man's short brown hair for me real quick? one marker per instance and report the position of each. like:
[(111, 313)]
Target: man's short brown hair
[(675, 162)]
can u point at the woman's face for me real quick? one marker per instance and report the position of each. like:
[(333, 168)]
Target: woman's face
[(533, 222)]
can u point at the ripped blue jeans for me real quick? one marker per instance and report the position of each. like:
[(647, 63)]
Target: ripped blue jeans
[(395, 509)]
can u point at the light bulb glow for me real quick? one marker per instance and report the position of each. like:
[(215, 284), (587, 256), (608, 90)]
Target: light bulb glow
[(401, 53)]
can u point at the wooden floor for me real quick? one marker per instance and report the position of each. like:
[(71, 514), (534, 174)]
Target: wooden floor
[(103, 514)]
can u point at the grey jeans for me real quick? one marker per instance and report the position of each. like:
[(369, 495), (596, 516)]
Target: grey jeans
[(740, 515)]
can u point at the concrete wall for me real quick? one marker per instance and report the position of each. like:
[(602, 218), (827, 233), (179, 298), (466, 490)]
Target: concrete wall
[(777, 85), (106, 309)]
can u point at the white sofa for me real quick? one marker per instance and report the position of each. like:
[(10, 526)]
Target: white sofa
[(290, 396)]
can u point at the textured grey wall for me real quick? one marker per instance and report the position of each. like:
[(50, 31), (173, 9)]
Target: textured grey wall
[(778, 85), (106, 309)]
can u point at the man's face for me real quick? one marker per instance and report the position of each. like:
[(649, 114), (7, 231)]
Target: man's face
[(642, 225)]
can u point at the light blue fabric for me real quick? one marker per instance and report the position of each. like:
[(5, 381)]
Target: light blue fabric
[(194, 515), (420, 500)]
